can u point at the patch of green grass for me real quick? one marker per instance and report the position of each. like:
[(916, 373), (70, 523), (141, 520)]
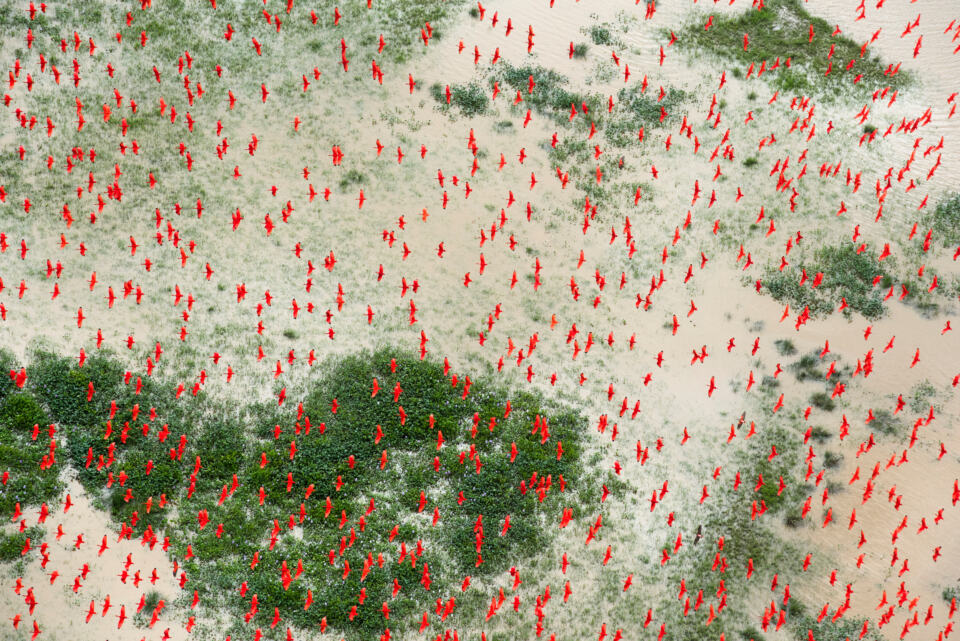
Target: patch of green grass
[(352, 177), (805, 368), (819, 433), (600, 35), (30, 483), (8, 363), (785, 347), (945, 221), (921, 396), (636, 109), (750, 633), (950, 593), (580, 50), (828, 629), (831, 459), (847, 274), (781, 30), (549, 95), (885, 422), (330, 445), (468, 97), (751, 161), (11, 545), (822, 400)]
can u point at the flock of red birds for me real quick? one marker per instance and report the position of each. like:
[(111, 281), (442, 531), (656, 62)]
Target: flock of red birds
[(99, 196)]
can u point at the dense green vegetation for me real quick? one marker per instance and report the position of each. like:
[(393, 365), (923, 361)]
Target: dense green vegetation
[(945, 221), (846, 274), (735, 515), (636, 109), (468, 97), (25, 447), (341, 474), (549, 95), (781, 29)]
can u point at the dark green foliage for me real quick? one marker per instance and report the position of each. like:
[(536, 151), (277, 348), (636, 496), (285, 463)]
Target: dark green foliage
[(335, 455), (7, 364), (846, 274), (945, 221), (781, 30), (831, 459), (549, 95), (785, 347), (636, 109), (819, 434), (793, 518), (806, 368), (751, 161), (20, 412), (600, 35), (11, 545), (21, 455), (751, 634), (950, 593), (822, 400), (468, 97), (885, 423), (830, 630), (352, 177), (580, 50)]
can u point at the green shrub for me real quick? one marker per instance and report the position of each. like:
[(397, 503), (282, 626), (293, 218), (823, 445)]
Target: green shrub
[(352, 177), (636, 109), (945, 221), (20, 412), (550, 96), (600, 35), (11, 545), (8, 363), (231, 440), (819, 433), (831, 459), (470, 98), (822, 400), (847, 274), (885, 423), (780, 30), (785, 347)]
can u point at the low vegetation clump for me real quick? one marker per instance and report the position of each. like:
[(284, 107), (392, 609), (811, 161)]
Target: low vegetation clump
[(823, 401), (469, 98), (785, 347), (549, 95), (739, 515), (29, 451), (781, 30), (390, 472), (944, 220), (847, 274), (636, 109), (600, 35)]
